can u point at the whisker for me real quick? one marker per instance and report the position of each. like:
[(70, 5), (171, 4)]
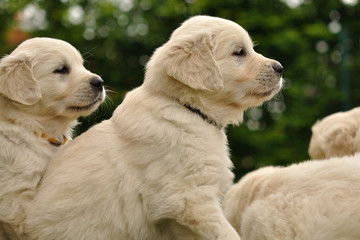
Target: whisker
[(88, 53)]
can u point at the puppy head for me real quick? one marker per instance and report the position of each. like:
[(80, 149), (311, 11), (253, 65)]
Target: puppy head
[(214, 60), (46, 76), (336, 135)]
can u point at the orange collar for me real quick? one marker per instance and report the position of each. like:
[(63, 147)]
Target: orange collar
[(54, 141)]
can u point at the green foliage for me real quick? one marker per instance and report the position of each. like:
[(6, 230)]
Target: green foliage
[(317, 42)]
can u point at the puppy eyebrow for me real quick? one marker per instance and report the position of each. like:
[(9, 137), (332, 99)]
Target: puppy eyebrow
[(239, 46), (246, 45)]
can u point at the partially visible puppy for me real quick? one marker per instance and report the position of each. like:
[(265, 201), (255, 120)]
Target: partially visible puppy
[(336, 135), (44, 88), (159, 167), (307, 201)]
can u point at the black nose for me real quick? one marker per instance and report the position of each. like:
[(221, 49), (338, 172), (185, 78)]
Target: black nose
[(278, 68), (97, 83)]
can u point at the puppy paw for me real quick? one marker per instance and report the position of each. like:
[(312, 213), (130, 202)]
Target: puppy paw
[(229, 234)]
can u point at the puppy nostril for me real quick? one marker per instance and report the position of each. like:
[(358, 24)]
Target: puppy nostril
[(278, 68), (97, 83)]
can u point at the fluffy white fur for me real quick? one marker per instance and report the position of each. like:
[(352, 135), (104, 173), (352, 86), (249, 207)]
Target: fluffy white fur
[(156, 169), (336, 135), (306, 201), (38, 97)]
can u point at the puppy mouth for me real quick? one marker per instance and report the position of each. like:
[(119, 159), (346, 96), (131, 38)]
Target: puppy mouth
[(86, 107), (268, 93), (264, 94)]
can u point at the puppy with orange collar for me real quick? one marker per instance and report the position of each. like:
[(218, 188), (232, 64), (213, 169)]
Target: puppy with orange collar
[(44, 88)]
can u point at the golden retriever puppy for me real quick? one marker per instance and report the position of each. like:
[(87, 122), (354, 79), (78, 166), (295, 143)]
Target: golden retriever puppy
[(336, 135), (44, 88), (306, 201), (159, 167)]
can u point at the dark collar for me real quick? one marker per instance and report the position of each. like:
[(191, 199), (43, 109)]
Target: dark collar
[(203, 116)]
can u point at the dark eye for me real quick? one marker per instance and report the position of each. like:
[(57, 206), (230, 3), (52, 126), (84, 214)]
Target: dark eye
[(240, 53), (62, 70)]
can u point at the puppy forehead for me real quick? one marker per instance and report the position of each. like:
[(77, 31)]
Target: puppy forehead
[(45, 47), (235, 35), (223, 29)]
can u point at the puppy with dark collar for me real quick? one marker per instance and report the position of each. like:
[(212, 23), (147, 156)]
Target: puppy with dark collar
[(160, 166)]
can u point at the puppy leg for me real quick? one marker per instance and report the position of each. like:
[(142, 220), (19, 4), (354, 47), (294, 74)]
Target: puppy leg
[(208, 221), (2, 233)]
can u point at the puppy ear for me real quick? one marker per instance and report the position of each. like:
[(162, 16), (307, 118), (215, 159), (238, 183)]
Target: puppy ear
[(17, 81), (191, 62)]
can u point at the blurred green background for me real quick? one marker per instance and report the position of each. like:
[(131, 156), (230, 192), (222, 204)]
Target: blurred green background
[(316, 41)]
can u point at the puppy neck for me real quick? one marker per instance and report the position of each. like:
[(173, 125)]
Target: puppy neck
[(53, 126), (203, 116), (59, 126)]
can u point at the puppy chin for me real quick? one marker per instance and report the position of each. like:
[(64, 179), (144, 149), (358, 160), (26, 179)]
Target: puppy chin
[(259, 96), (276, 89)]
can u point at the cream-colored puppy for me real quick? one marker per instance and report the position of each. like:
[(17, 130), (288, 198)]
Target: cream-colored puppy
[(336, 135), (307, 201), (44, 88), (160, 166)]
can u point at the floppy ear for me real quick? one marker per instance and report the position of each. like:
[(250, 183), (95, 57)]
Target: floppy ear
[(17, 81), (191, 62)]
